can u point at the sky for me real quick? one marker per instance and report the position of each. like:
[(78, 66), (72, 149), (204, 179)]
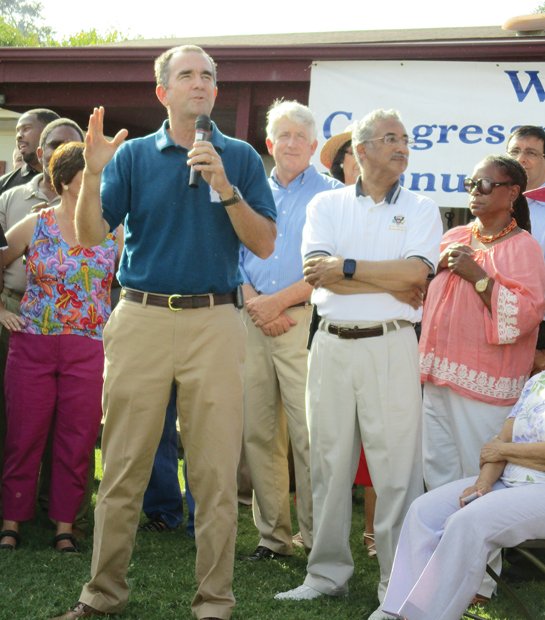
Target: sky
[(177, 18)]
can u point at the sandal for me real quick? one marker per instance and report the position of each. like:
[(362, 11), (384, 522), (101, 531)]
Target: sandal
[(72, 548), (10, 534), (479, 599), (369, 542), (155, 525)]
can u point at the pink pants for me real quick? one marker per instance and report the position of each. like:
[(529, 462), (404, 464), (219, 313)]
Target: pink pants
[(50, 381)]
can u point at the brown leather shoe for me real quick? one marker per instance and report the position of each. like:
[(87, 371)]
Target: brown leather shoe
[(81, 610)]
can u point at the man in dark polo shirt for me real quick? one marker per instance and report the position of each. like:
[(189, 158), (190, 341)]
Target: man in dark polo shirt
[(177, 321), (27, 137)]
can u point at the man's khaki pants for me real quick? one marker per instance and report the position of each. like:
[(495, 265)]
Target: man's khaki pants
[(147, 348), (274, 407)]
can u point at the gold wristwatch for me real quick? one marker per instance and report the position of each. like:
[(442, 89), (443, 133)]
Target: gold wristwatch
[(480, 285)]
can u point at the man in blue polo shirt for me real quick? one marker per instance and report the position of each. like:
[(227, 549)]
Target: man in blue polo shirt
[(278, 316), (176, 322)]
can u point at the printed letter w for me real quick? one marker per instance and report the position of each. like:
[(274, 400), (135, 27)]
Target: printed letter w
[(534, 82)]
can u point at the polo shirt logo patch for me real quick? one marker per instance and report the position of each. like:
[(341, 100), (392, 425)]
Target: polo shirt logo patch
[(398, 223)]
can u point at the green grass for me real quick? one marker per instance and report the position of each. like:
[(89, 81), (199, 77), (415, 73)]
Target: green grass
[(37, 583)]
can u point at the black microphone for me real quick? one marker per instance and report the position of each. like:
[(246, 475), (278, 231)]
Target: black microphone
[(203, 131)]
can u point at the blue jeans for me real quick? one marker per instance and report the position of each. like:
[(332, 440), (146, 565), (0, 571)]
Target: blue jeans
[(163, 497)]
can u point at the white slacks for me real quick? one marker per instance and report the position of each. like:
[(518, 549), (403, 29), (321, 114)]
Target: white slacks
[(454, 430), (443, 549), (361, 390)]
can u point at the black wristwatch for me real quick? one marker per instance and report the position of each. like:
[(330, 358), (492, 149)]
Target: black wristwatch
[(349, 268), (232, 201)]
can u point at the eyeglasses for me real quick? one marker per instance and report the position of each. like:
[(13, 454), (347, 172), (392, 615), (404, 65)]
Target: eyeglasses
[(528, 153), (484, 186), (391, 139)]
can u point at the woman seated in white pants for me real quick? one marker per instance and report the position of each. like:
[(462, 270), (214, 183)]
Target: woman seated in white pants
[(447, 536)]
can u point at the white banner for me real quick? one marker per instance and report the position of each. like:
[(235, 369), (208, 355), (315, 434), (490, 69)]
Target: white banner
[(458, 112)]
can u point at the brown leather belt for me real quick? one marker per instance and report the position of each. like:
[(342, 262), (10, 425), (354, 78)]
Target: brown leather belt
[(366, 332), (179, 302)]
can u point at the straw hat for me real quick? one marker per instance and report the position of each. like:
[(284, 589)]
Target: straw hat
[(332, 146)]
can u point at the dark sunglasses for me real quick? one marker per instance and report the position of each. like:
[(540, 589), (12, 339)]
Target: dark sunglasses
[(484, 186)]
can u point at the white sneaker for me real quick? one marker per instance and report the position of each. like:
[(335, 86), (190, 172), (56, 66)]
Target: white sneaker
[(302, 593), (378, 614)]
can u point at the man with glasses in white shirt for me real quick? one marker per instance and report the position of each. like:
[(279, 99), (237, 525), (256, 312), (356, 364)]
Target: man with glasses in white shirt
[(368, 250), (526, 144)]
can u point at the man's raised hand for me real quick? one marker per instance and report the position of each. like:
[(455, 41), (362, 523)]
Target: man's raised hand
[(98, 149)]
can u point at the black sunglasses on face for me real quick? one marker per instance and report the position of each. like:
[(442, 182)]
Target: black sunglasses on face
[(484, 186)]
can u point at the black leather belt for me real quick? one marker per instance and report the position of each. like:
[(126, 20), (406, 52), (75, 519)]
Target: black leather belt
[(179, 302), (366, 332)]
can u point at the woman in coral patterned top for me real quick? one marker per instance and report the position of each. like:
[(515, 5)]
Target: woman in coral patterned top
[(54, 369), (480, 322)]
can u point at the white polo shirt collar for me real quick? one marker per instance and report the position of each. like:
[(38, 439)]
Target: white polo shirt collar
[(391, 197)]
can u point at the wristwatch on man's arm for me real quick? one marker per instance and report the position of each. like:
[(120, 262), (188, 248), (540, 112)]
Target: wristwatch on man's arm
[(349, 268), (236, 197)]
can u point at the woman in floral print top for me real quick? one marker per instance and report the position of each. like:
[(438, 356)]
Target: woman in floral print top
[(55, 362), (68, 287)]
